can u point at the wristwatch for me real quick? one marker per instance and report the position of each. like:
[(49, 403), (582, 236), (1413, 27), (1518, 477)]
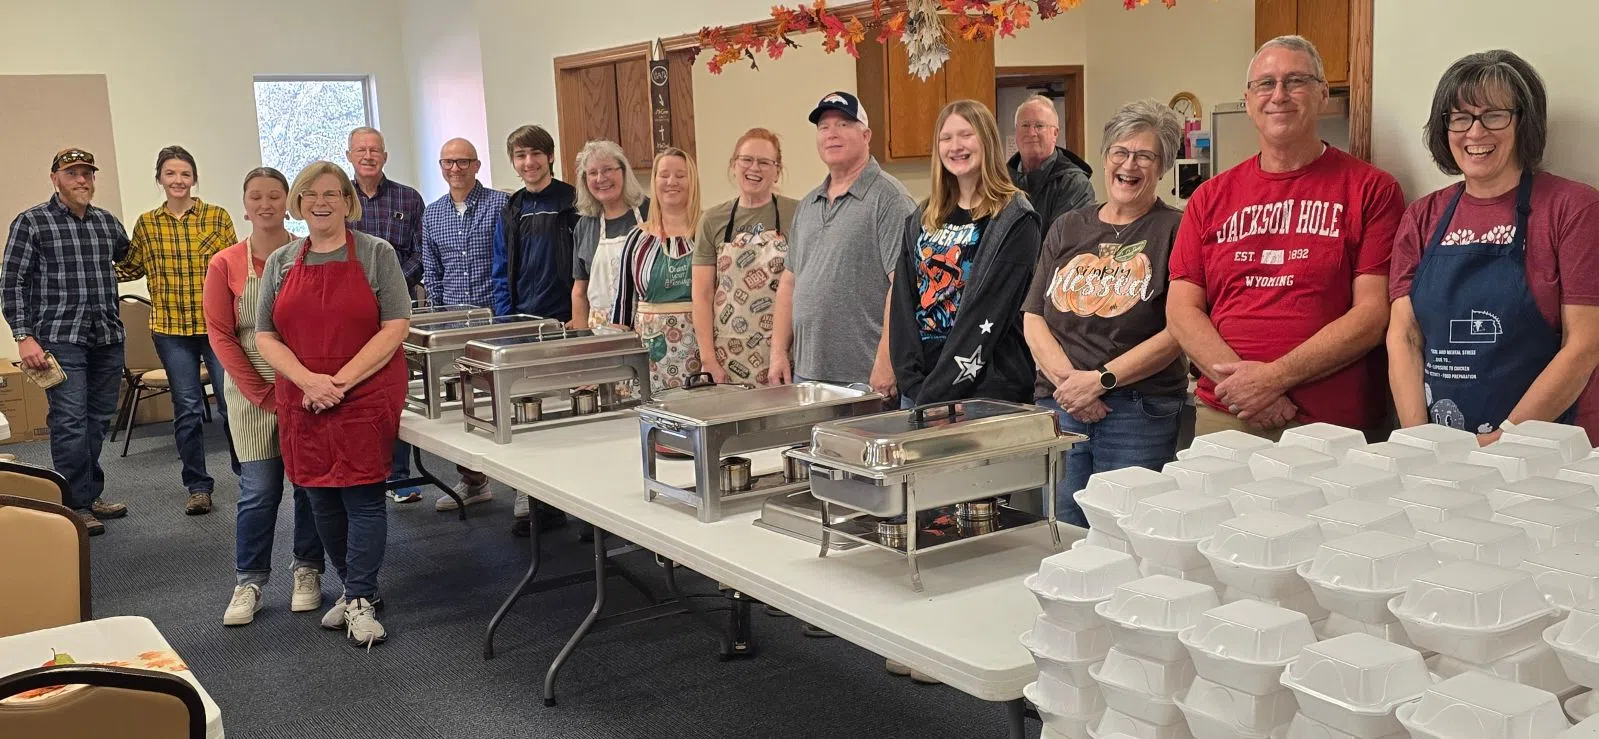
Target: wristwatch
[(19, 337), (1107, 379)]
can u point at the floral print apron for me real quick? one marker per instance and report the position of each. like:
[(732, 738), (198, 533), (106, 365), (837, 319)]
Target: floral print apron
[(604, 270), (659, 275), (748, 268)]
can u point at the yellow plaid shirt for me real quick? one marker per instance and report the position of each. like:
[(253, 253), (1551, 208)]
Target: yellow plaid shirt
[(173, 253)]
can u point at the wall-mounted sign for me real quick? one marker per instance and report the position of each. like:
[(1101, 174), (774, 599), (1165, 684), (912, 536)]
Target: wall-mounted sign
[(660, 105)]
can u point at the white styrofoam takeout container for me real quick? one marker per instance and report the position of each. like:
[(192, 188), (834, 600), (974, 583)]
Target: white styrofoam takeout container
[(1085, 573), (1585, 470), (1246, 644), (1552, 524), (1229, 444), (1477, 540), (1348, 517), (1223, 709), (1166, 528), (1323, 437), (1111, 495), (1337, 624), (1097, 538), (1072, 726), (1566, 575), (1062, 668), (1114, 722), (1472, 478), (1390, 456), (1356, 481), (1479, 705), (1473, 611), (1303, 602), (1201, 574), (1143, 688), (1305, 727), (1064, 644), (1207, 475), (1357, 575), (1450, 444), (1570, 440), (1576, 643), (1537, 666), (1518, 461), (1355, 682), (1426, 504), (1259, 552), (1145, 615), (1290, 462), (1276, 494), (1553, 489)]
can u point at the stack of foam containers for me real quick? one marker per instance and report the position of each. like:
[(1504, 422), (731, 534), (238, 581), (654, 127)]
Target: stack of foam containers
[(1549, 489), (1551, 524), (1391, 456), (1112, 495), (1483, 618), (1348, 517), (1276, 494), (1289, 462), (1571, 441), (1231, 445), (1354, 578), (1333, 441), (1239, 651), (1584, 470), (1447, 444), (1476, 540), (1356, 482), (1518, 461), (1069, 637), (1468, 476), (1166, 529), (1208, 475), (1350, 686), (1148, 667), (1576, 644), (1483, 707), (1428, 503), (1257, 556)]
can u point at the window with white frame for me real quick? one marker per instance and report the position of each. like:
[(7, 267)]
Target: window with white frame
[(304, 119)]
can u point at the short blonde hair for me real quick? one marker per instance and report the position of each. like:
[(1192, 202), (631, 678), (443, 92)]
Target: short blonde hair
[(302, 183)]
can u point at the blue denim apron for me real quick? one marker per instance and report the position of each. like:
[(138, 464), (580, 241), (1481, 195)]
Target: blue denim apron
[(1484, 341)]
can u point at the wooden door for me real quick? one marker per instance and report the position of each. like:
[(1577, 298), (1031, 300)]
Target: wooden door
[(1275, 18), (969, 73), (1325, 23), (633, 106), (587, 98), (913, 105)]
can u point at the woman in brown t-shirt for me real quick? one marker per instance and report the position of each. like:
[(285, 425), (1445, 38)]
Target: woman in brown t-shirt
[(1095, 317)]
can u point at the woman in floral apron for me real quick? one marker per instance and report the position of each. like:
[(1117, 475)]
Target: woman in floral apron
[(653, 292), (611, 202), (739, 255)]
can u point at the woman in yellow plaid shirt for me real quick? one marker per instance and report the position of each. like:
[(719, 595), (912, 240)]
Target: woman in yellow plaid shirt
[(172, 246)]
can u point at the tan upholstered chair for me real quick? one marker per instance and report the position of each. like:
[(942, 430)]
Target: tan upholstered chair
[(122, 702), (52, 587), (29, 481), (143, 376)]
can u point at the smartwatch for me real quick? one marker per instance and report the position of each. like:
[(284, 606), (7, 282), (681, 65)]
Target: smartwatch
[(1107, 379)]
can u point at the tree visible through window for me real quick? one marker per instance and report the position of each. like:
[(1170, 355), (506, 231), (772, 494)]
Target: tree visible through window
[(304, 120)]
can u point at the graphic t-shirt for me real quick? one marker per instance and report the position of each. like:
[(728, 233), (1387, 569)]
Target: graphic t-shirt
[(943, 258), (1102, 290), (1561, 261), (1277, 254)]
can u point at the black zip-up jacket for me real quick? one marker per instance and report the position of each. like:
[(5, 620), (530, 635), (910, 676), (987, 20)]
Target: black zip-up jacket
[(1061, 186), (984, 355), (554, 216)]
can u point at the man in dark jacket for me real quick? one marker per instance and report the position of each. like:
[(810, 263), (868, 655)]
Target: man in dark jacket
[(533, 239), (1055, 179)]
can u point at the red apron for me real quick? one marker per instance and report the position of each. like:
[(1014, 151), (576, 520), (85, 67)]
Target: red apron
[(325, 314)]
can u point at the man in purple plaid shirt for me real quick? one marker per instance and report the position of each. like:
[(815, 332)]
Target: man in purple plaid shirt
[(392, 212)]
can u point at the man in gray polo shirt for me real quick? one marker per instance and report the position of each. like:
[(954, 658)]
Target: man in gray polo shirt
[(843, 245)]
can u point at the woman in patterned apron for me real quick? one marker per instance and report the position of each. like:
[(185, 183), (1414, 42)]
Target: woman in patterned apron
[(611, 203), (655, 285), (232, 289), (739, 255)]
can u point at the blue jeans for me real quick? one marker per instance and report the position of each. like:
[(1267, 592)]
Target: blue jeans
[(1139, 431), (181, 356), (354, 525), (402, 461), (80, 410), (260, 492)]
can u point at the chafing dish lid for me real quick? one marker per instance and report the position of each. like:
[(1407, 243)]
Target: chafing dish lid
[(457, 333), (502, 351), (441, 313), (933, 432), (711, 404)]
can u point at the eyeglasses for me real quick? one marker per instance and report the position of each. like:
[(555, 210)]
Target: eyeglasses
[(1293, 83), (329, 196), (456, 163), (748, 162), (1031, 126), (1144, 157), (602, 172), (1493, 120), (365, 150)]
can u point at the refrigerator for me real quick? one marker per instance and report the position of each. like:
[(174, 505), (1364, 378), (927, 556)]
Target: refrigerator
[(1233, 137)]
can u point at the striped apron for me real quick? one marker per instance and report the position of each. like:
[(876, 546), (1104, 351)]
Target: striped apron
[(254, 430)]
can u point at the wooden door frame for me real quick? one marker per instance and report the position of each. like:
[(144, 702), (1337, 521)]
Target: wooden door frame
[(1072, 74), (1360, 63)]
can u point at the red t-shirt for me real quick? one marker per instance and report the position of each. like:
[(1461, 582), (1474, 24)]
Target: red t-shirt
[(1277, 254), (1562, 250)]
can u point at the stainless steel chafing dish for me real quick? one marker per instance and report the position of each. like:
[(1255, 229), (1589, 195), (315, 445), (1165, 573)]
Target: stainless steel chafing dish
[(431, 349), (950, 461), (524, 381), (443, 313), (710, 426)]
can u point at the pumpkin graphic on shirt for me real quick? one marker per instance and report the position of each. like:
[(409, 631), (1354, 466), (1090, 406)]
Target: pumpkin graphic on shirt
[(1106, 283)]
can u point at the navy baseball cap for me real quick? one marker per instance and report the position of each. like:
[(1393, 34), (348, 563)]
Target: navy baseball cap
[(842, 102)]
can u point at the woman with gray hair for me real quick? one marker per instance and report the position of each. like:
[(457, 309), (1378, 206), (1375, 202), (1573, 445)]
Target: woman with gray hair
[(1095, 317), (610, 202), (1502, 264)]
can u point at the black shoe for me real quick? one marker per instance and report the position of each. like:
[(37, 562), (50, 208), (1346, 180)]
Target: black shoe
[(522, 529), (815, 632), (775, 612)]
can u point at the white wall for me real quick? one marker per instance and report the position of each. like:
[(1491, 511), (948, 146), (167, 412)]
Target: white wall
[(444, 67), (1555, 37)]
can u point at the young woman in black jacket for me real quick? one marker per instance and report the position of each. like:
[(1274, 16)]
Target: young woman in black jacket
[(955, 319)]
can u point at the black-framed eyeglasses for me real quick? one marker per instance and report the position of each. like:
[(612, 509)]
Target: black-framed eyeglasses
[(456, 163), (1292, 83), (1497, 119), (1144, 157)]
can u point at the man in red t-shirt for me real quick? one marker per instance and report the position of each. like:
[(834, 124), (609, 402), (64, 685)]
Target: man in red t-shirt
[(1279, 276)]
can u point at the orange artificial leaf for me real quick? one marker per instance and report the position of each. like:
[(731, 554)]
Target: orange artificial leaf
[(856, 31)]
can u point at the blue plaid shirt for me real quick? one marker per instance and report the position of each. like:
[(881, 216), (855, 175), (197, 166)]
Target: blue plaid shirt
[(394, 214), (458, 249), (58, 282)]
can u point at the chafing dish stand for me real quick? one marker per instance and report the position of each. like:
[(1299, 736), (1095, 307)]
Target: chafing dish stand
[(432, 348), (709, 427), (527, 381), (929, 458)]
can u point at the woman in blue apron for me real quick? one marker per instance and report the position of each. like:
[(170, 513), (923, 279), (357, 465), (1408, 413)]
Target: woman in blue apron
[(1482, 331)]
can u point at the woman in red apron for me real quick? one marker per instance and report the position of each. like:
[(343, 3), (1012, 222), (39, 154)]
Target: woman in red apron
[(334, 309)]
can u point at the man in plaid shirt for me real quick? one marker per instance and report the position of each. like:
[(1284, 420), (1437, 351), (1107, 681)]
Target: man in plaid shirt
[(58, 290)]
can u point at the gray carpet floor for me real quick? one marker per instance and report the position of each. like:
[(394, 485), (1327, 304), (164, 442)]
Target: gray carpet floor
[(284, 678)]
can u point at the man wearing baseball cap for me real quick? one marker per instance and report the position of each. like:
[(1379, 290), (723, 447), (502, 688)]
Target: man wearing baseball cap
[(843, 245), (58, 291)]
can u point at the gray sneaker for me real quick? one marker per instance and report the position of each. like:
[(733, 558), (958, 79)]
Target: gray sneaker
[(470, 495), (361, 624), (333, 620), (307, 590), (241, 610)]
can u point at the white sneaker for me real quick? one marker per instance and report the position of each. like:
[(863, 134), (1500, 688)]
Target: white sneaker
[(333, 620), (307, 590), (470, 495), (519, 508), (241, 610), (361, 624)]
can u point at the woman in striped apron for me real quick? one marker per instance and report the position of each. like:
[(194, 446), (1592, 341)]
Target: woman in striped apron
[(232, 287), (655, 291)]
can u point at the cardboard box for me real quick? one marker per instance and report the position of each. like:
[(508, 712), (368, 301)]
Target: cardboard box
[(14, 403)]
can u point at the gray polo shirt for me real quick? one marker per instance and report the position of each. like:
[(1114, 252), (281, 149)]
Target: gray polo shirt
[(842, 254)]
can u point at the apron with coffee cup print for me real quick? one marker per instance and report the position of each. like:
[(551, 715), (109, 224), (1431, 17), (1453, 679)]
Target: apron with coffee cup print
[(748, 268)]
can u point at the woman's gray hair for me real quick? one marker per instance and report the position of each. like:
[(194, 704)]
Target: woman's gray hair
[(1490, 78), (1146, 115), (1291, 43), (599, 149)]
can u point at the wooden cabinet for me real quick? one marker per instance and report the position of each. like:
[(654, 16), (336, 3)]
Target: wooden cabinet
[(606, 95), (903, 108), (1324, 23)]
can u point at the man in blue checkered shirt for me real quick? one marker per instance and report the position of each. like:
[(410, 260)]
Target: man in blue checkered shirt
[(458, 262), (389, 210), (58, 290)]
